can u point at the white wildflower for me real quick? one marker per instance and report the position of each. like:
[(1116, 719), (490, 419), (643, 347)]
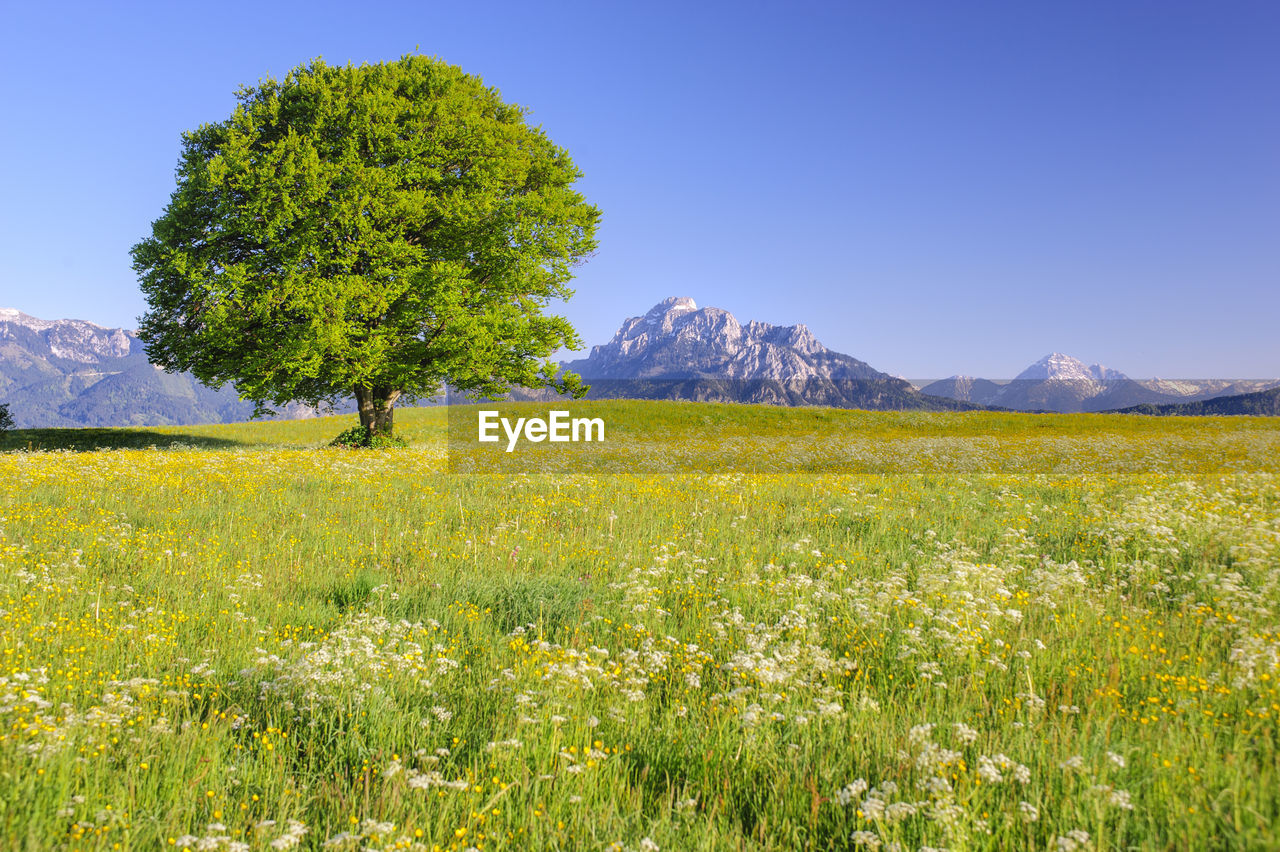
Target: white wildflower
[(987, 770), (1120, 799), (920, 734), (851, 792), (1074, 840)]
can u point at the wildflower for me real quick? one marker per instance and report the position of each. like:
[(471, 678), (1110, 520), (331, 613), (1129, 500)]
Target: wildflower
[(920, 734), (1075, 839), (851, 792), (898, 811)]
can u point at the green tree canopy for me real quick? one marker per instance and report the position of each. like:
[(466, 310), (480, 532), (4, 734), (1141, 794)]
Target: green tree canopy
[(375, 230)]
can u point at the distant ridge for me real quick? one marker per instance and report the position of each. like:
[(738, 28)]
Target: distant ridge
[(1264, 403), (68, 373), (1061, 383)]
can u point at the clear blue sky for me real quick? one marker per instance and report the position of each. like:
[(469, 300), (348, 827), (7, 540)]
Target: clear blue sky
[(933, 187)]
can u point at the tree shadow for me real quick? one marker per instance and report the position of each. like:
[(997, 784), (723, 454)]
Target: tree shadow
[(88, 440)]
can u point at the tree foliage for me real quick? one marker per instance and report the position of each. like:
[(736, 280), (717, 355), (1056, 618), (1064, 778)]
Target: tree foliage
[(6, 419), (375, 230)]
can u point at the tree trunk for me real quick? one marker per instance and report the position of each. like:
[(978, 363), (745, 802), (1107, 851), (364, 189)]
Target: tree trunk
[(376, 406)]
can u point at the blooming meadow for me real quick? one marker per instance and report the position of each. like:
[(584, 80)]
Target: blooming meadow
[(239, 639)]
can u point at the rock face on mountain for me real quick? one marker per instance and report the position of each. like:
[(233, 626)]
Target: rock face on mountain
[(680, 351), (678, 340), (965, 388), (75, 373), (59, 373), (1061, 383)]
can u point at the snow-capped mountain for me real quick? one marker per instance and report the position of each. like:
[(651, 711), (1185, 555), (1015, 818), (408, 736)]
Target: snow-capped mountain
[(69, 340), (679, 350), (57, 373), (676, 339), (1063, 368), (76, 373), (1059, 382)]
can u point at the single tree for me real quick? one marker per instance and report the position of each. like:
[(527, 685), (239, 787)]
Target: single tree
[(379, 230), (6, 419)]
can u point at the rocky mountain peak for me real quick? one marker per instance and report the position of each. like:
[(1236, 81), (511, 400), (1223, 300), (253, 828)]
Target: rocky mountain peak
[(676, 338), (17, 317), (70, 340), (1059, 367), (66, 372), (674, 305), (678, 350)]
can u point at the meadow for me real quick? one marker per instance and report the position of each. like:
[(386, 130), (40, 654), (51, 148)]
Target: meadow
[(234, 637)]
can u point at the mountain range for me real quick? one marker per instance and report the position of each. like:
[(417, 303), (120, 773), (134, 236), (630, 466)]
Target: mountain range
[(1061, 383), (76, 373), (57, 373), (1263, 403), (680, 351)]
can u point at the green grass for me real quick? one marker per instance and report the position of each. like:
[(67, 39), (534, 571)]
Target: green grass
[(243, 625), (414, 424)]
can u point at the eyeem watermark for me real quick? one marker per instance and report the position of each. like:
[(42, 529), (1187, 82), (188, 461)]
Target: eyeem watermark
[(556, 427)]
